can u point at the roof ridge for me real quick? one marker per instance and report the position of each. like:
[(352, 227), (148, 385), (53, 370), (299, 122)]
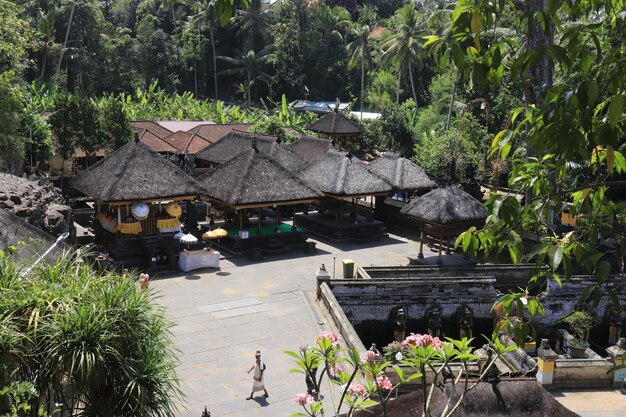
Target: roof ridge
[(341, 174), (248, 157), (397, 172)]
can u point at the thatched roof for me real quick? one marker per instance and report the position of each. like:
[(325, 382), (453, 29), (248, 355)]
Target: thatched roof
[(342, 174), (232, 145), (135, 172), (401, 173), (311, 148), (156, 143), (446, 206), (335, 123), (505, 398), (215, 132), (255, 179), (141, 125)]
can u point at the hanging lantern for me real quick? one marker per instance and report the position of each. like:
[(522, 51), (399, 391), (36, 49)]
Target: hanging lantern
[(140, 211)]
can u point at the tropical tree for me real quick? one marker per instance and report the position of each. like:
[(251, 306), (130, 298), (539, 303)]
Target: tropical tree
[(578, 118), (252, 23), (207, 17), (360, 49), (15, 39), (91, 344), (405, 47), (249, 63)]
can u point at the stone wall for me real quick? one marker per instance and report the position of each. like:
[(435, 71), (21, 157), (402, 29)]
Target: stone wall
[(35, 200)]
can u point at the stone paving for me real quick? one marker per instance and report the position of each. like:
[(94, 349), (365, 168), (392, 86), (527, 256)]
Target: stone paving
[(223, 317)]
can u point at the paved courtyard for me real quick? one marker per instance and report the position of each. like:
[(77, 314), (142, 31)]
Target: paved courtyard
[(223, 317)]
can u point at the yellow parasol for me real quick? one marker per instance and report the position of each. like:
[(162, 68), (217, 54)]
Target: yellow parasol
[(174, 209), (215, 234)]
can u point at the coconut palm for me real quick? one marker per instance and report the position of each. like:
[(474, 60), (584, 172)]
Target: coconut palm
[(252, 22), (332, 21), (250, 64), (404, 47), (207, 17), (360, 49)]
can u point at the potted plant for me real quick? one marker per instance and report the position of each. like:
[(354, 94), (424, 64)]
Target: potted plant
[(580, 322)]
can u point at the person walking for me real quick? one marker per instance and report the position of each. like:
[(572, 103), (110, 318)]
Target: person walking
[(258, 383)]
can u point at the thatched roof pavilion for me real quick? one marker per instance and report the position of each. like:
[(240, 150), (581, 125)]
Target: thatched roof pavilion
[(311, 148), (445, 212), (335, 124), (503, 398), (341, 174), (237, 142), (231, 145), (255, 179), (135, 173), (400, 172)]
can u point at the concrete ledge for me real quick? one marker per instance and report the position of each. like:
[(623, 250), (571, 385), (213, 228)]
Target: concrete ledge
[(339, 318), (587, 373)]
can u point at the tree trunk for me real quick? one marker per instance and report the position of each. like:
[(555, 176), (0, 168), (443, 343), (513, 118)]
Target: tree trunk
[(362, 79), (456, 81), (540, 75), (412, 84), (249, 90), (214, 61), (398, 86)]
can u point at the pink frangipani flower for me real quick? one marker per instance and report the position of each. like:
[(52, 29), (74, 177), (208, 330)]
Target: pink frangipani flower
[(304, 399), (384, 383), (333, 337), (356, 390), (368, 357), (416, 339)]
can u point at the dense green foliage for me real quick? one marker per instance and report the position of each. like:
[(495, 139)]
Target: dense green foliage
[(92, 343)]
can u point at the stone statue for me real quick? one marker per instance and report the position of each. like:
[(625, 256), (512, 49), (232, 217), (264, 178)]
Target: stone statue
[(466, 322), (434, 323), (399, 325)]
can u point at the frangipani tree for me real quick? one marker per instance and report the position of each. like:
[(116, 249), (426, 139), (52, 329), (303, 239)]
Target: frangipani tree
[(365, 380)]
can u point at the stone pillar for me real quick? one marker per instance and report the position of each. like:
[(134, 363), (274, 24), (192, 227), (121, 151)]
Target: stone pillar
[(321, 276), (546, 359), (616, 352)]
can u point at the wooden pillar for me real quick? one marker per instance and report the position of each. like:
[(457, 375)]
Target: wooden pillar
[(448, 246), (421, 254), (258, 223), (241, 219), (339, 211), (119, 215), (370, 214), (276, 225)]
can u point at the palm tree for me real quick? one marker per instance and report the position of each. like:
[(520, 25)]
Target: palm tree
[(207, 16), (249, 63), (361, 47), (404, 47), (168, 6), (252, 22), (332, 21)]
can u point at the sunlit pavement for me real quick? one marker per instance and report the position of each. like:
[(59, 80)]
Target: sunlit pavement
[(223, 317)]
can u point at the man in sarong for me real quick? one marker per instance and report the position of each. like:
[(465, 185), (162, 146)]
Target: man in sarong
[(258, 384)]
